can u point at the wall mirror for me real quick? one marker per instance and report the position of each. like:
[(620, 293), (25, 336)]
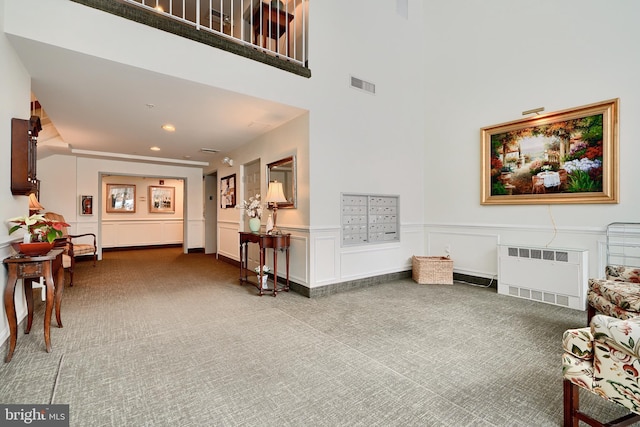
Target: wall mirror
[(284, 171)]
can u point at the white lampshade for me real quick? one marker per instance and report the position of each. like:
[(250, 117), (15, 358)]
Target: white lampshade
[(34, 205), (275, 194)]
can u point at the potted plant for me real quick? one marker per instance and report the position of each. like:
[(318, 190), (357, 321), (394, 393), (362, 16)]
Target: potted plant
[(505, 174), (39, 233)]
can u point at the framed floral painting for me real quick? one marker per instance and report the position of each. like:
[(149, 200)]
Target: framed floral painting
[(569, 156)]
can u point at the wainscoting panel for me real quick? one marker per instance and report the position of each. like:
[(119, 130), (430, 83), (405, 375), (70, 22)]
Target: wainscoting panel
[(141, 233), (298, 255), (474, 254), (229, 240), (85, 227), (326, 262), (333, 264), (196, 234), (370, 261)]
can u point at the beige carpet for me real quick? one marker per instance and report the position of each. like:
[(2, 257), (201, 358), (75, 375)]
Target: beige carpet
[(160, 338)]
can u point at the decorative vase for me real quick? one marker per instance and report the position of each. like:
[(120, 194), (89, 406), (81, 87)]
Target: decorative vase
[(35, 248), (254, 224), (276, 4)]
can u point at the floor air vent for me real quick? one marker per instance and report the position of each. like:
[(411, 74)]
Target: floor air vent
[(552, 276), (363, 85)]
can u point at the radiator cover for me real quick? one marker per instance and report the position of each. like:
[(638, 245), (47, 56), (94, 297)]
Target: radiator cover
[(549, 275)]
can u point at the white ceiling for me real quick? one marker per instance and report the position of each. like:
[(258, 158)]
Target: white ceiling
[(102, 106)]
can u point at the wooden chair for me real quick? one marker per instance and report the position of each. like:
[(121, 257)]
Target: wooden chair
[(73, 249), (537, 185), (563, 178)]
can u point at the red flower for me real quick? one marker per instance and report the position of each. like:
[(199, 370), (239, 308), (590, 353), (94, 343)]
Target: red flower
[(630, 370), (59, 225), (38, 227)]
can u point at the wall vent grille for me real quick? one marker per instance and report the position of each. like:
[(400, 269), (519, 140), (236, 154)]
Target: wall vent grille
[(548, 255), (532, 294), (363, 85)]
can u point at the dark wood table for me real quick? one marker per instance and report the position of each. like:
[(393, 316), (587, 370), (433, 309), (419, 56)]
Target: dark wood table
[(27, 269), (266, 241), (271, 22)]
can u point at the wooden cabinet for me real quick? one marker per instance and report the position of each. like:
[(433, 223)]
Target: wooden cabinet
[(24, 155)]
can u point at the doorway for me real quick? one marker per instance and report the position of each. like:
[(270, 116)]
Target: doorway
[(252, 181), (211, 214), (140, 223)]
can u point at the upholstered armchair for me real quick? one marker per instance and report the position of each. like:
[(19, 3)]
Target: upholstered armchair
[(617, 295), (72, 247), (604, 359)]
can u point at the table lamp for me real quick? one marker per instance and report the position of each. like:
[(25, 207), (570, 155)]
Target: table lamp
[(275, 195), (34, 205)]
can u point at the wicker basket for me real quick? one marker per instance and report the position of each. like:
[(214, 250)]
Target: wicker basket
[(435, 270)]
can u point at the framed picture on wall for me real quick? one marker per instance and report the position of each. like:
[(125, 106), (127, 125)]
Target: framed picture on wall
[(121, 198), (162, 199), (569, 156), (86, 205), (228, 192)]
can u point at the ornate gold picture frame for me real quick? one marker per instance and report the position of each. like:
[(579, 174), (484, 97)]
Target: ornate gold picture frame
[(569, 156)]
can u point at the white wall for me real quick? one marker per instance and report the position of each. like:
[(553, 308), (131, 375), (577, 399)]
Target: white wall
[(357, 142), (15, 89), (362, 143), (65, 178), (142, 227), (440, 75), (486, 62), (289, 139)]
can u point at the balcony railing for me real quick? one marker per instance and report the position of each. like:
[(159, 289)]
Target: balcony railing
[(277, 28)]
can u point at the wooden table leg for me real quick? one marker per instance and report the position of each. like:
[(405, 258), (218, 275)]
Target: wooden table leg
[(261, 272), (286, 288), (242, 261), (275, 272), (59, 291), (50, 284), (28, 295), (10, 309)]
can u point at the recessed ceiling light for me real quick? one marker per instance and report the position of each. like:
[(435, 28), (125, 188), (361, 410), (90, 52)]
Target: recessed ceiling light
[(154, 148), (169, 127)]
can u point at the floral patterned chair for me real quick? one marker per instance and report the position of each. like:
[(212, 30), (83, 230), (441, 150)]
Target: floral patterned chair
[(617, 295), (604, 359)]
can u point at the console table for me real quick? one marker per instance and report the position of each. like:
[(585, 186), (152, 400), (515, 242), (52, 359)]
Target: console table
[(266, 241), (29, 268), (271, 22)]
